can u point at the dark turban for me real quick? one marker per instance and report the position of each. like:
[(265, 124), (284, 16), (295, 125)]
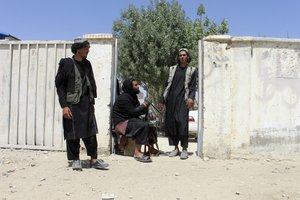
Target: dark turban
[(78, 44), (127, 88)]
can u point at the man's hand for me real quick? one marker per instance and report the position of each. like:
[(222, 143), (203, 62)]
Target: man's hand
[(93, 108), (160, 106), (189, 103), (67, 113), (147, 101)]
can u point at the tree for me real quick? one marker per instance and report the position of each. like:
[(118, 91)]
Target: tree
[(150, 37)]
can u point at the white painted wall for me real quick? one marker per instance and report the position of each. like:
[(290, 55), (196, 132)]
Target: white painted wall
[(251, 96), (30, 113)]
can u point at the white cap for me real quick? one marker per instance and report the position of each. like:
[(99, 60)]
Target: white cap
[(80, 40)]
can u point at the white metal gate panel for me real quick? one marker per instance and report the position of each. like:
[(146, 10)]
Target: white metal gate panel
[(30, 113)]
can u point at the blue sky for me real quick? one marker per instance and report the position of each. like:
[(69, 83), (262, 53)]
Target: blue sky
[(68, 19)]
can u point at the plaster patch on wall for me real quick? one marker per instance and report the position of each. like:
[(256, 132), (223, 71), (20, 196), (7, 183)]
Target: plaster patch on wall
[(285, 63), (217, 58), (267, 136), (221, 150), (278, 72)]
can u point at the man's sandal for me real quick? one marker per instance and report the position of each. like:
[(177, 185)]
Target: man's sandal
[(76, 165), (143, 158), (99, 164)]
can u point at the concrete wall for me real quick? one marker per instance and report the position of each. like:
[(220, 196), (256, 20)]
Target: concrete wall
[(251, 96), (30, 113)]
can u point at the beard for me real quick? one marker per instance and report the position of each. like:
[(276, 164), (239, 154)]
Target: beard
[(136, 91)]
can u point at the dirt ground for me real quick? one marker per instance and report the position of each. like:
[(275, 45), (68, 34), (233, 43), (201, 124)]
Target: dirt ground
[(29, 174)]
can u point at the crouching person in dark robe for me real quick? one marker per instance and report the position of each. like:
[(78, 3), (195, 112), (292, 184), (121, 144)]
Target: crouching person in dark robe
[(126, 112), (76, 89)]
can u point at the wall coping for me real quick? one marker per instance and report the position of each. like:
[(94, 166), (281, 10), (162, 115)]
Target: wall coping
[(231, 39), (92, 37)]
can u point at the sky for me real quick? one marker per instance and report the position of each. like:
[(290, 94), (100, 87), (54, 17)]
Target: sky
[(68, 19)]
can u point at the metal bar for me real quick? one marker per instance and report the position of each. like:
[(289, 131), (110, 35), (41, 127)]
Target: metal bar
[(54, 91), (45, 98), (19, 77), (10, 84), (36, 89), (113, 92), (200, 97), (27, 77)]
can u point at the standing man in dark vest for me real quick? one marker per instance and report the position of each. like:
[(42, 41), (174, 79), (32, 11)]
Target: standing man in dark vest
[(76, 89), (179, 95)]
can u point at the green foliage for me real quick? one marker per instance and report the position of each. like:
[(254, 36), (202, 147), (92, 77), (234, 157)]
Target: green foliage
[(201, 10), (150, 37)]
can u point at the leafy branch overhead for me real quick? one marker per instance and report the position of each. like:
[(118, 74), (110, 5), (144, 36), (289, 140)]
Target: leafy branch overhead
[(149, 38)]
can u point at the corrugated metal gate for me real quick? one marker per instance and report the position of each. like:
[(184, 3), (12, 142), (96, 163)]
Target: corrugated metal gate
[(30, 114)]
